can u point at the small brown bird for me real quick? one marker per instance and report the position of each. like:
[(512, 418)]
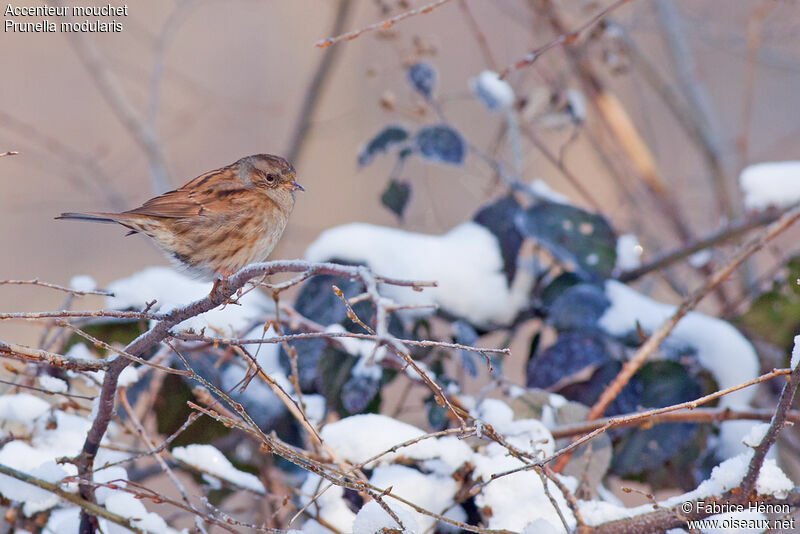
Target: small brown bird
[(220, 221)]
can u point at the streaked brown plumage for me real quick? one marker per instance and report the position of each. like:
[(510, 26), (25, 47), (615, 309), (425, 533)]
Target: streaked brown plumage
[(220, 221)]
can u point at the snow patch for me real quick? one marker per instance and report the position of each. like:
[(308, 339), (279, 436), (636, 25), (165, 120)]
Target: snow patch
[(171, 290), (721, 349), (496, 94), (466, 262), (775, 183), (209, 459)]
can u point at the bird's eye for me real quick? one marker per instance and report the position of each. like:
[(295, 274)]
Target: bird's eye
[(271, 178)]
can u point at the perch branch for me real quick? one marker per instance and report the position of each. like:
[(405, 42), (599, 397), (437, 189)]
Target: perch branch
[(220, 294)]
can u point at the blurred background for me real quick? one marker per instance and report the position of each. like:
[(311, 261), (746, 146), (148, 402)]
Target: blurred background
[(191, 85)]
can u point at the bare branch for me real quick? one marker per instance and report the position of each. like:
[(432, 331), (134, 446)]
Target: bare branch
[(717, 277), (31, 355), (562, 39), (36, 282), (731, 231), (86, 505), (427, 8), (775, 427)]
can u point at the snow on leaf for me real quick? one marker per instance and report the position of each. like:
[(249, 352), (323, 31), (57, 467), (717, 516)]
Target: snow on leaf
[(775, 183), (494, 93), (211, 460)]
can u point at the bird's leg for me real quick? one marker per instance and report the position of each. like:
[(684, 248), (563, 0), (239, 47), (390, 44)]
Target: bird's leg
[(222, 274)]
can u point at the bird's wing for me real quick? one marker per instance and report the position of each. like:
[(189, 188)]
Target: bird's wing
[(207, 194)]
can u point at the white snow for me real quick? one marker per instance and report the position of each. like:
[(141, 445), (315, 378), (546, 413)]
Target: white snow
[(330, 506), (518, 499), (577, 104), (20, 456), (126, 505), (529, 435), (726, 476), (64, 521), (629, 252), (22, 408), (209, 459), (51, 383), (542, 526), (543, 191), (775, 183), (721, 349), (700, 258), (128, 376), (795, 353), (171, 289), (432, 492), (756, 434), (79, 351), (360, 437), (373, 519), (466, 263), (82, 282), (494, 93)]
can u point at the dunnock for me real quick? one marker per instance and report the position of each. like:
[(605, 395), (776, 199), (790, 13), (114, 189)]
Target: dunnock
[(220, 221)]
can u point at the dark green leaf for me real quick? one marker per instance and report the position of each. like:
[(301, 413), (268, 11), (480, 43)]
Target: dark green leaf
[(386, 138), (579, 307), (498, 218), (573, 354), (466, 335), (358, 392), (441, 144), (396, 196), (557, 286), (572, 235), (775, 315), (663, 383)]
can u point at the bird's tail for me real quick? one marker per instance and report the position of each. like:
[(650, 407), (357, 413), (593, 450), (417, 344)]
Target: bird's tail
[(94, 217)]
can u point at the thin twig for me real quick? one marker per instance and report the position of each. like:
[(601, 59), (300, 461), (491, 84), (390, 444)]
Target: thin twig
[(696, 415), (36, 282), (31, 355), (85, 505), (562, 39), (717, 277), (776, 425), (731, 231), (427, 8)]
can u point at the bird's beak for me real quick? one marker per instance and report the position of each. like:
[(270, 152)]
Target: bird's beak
[(295, 186)]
